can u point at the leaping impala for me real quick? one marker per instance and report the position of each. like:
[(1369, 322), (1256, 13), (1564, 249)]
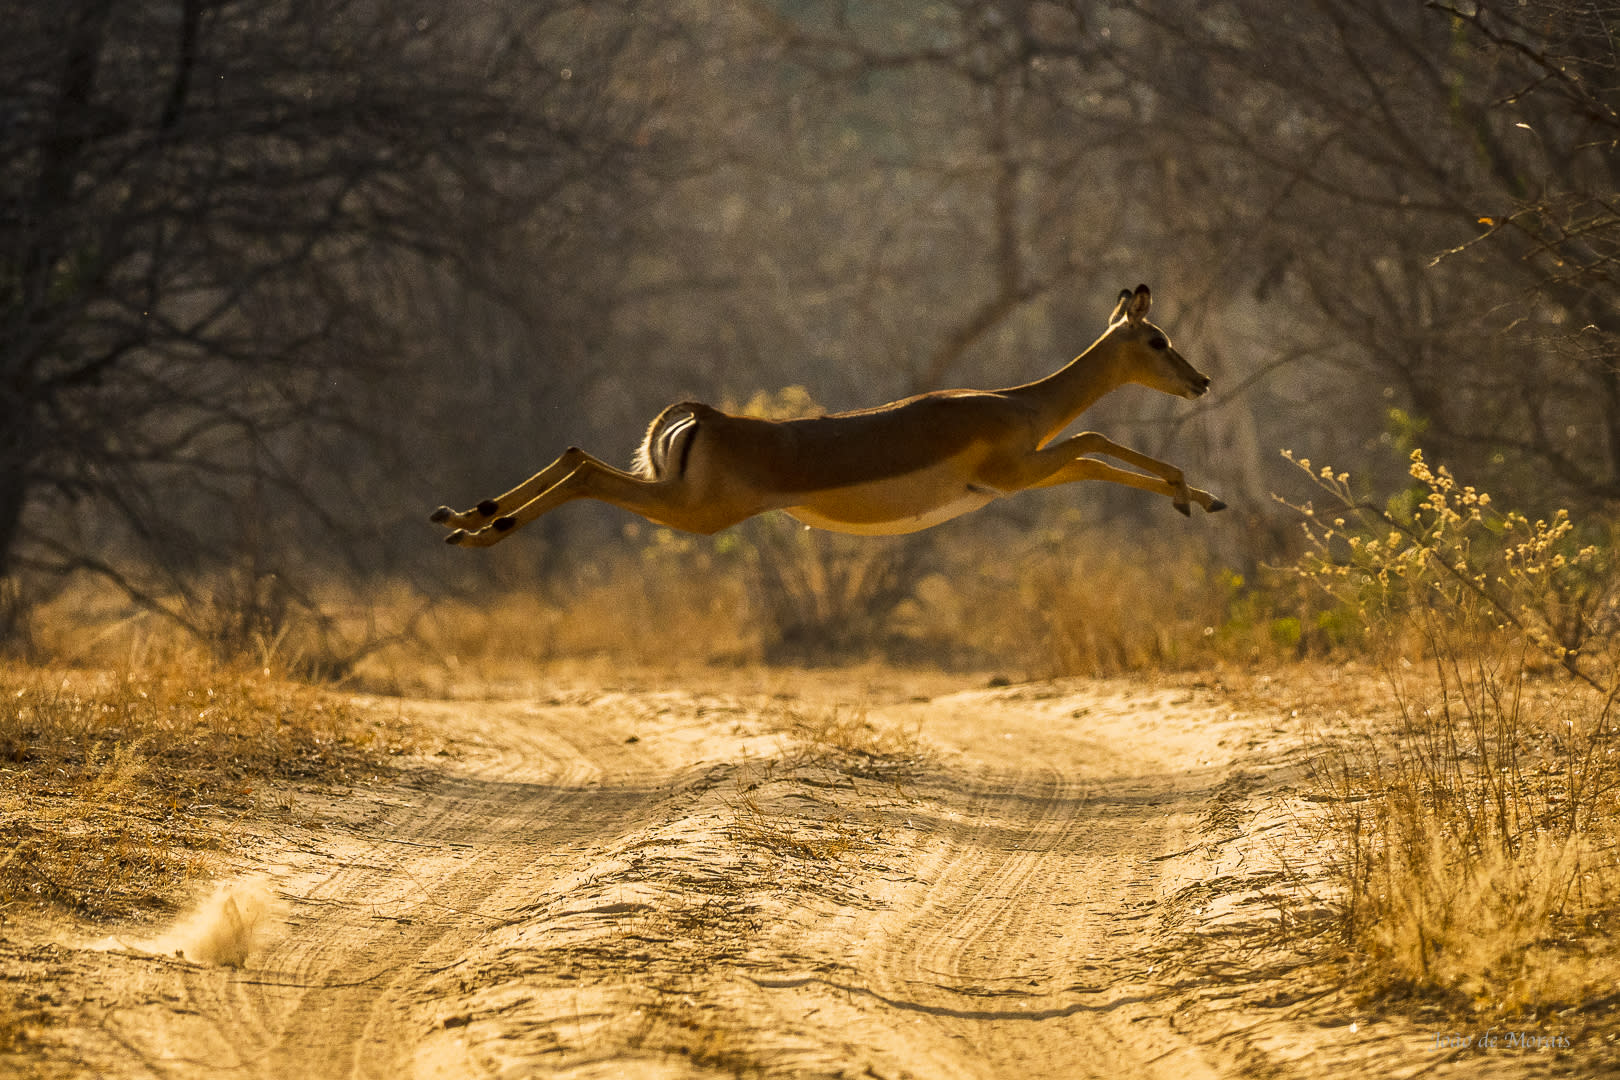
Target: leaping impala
[(897, 468)]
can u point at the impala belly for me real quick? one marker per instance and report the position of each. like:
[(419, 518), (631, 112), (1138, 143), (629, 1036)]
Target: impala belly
[(896, 504)]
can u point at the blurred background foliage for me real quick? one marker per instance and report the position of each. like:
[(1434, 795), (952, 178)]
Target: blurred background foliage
[(277, 277)]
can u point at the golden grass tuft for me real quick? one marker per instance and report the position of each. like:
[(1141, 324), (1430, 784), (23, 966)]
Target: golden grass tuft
[(1079, 604), (847, 741)]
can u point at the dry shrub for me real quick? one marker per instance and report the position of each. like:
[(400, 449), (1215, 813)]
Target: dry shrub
[(1478, 836), (229, 619), (819, 596)]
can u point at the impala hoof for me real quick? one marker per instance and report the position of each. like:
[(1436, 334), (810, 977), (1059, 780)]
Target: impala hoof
[(456, 537), (1184, 509), (1216, 505), (441, 515)]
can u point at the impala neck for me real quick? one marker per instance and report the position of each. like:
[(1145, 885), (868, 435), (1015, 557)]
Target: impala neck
[(1075, 387)]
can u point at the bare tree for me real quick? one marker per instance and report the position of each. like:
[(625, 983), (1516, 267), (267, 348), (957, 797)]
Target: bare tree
[(207, 211), (1346, 161)]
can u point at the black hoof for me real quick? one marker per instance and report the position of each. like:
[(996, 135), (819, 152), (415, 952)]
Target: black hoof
[(489, 508), (456, 537), (1183, 509), (442, 514), (1216, 505), (504, 524)]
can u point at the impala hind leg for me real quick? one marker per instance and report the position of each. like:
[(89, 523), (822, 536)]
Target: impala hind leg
[(484, 512), (668, 501)]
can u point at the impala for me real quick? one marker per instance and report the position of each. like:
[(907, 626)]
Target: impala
[(896, 468)]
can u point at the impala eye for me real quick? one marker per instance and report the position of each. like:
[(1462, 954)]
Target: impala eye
[(1158, 343)]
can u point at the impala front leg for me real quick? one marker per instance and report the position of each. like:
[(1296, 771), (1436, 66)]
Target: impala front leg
[(1092, 469), (1065, 463), (1091, 442)]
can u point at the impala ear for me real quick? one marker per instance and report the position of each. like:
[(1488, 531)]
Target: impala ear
[(1136, 304), (1122, 307)]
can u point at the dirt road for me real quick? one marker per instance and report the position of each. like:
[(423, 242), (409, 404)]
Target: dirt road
[(805, 879)]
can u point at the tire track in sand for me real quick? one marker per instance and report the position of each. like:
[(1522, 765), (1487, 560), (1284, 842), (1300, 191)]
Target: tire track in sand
[(999, 923), (1022, 949), (372, 913)]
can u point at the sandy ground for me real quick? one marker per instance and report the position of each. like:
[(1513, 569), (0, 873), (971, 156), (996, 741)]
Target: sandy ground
[(852, 876)]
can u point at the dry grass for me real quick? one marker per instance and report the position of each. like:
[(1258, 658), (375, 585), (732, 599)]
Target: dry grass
[(114, 784), (1073, 601), (1027, 607), (1477, 840), (849, 742), (811, 828), (1057, 598), (662, 601), (809, 804)]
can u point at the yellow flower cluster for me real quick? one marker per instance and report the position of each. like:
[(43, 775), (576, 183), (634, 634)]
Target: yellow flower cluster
[(1443, 550)]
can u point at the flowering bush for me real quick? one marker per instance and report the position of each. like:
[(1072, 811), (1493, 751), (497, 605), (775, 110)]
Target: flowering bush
[(1442, 550), (1475, 838)]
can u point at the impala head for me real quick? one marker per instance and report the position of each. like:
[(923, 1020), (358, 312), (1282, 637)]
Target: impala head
[(1147, 353)]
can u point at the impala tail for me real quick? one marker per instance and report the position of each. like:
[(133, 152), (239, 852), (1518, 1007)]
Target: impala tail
[(665, 448)]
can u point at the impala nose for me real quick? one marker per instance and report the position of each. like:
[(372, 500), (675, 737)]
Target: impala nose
[(1198, 385)]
